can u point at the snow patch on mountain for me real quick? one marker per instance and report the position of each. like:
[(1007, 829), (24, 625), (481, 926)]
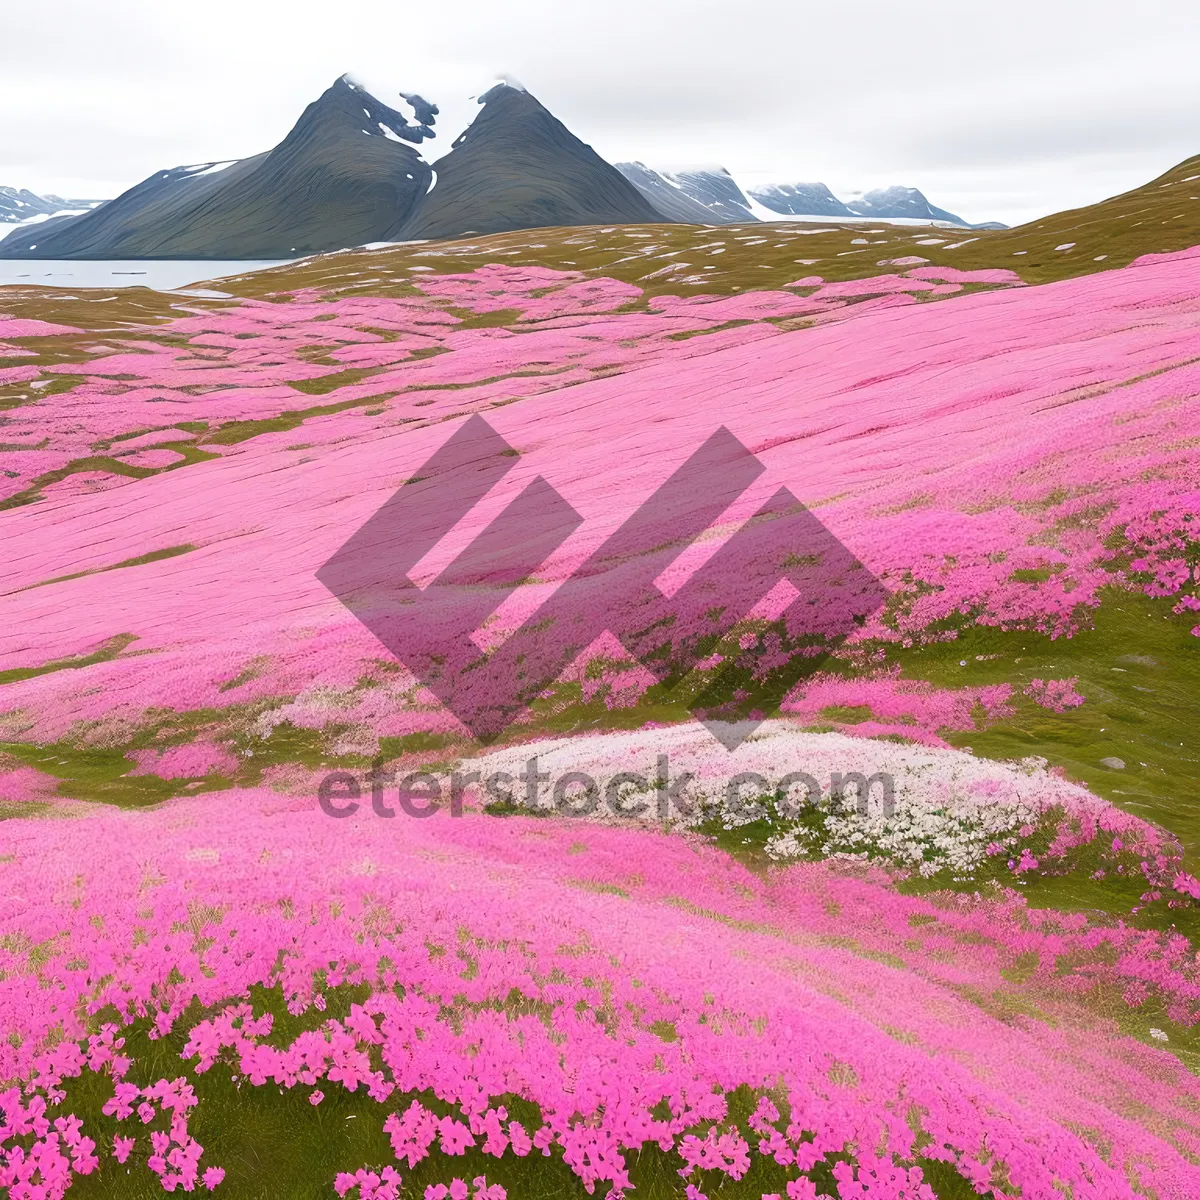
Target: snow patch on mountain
[(419, 115), (210, 168)]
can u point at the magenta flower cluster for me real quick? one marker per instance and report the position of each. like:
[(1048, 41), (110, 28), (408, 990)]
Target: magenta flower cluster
[(621, 981), (1011, 522)]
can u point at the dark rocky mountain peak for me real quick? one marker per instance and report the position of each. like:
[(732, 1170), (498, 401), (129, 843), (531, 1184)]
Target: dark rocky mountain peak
[(516, 166)]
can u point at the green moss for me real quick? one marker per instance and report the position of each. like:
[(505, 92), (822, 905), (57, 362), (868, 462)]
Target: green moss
[(688, 334), (106, 653), (421, 742), (324, 384), (846, 714), (1031, 575), (496, 319), (12, 810), (233, 432), (287, 744), (103, 775), (142, 560), (95, 462)]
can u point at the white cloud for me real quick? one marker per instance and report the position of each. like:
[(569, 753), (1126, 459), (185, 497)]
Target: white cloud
[(1002, 111)]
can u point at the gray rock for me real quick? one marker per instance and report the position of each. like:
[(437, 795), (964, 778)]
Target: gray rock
[(1115, 764)]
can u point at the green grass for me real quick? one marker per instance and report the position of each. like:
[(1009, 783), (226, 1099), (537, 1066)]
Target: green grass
[(141, 560), (94, 462), (106, 653), (233, 432), (102, 775), (106, 465), (1139, 669), (324, 384)]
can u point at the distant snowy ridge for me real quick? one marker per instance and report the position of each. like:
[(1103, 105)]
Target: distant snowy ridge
[(710, 195), (706, 195), (896, 203), (800, 199), (899, 202), (349, 171), (19, 206)]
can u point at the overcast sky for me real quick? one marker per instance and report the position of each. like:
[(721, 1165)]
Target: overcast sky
[(997, 111)]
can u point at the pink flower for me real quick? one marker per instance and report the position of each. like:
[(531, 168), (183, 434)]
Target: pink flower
[(1187, 885), (520, 1140), (455, 1136), (1026, 863)]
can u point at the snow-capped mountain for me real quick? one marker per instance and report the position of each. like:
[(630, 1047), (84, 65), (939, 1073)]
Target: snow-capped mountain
[(900, 202), (349, 172), (696, 196), (518, 167), (21, 209), (907, 203), (800, 199), (355, 171)]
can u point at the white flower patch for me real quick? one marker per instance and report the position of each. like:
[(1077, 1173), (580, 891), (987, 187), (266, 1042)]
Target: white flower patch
[(927, 809)]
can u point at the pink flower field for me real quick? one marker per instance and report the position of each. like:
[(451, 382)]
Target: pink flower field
[(984, 983)]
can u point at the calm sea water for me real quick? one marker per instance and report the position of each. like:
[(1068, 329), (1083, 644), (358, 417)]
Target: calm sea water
[(162, 276)]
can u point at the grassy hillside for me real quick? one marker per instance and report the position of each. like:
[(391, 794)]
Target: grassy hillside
[(1161, 216), (963, 991)]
